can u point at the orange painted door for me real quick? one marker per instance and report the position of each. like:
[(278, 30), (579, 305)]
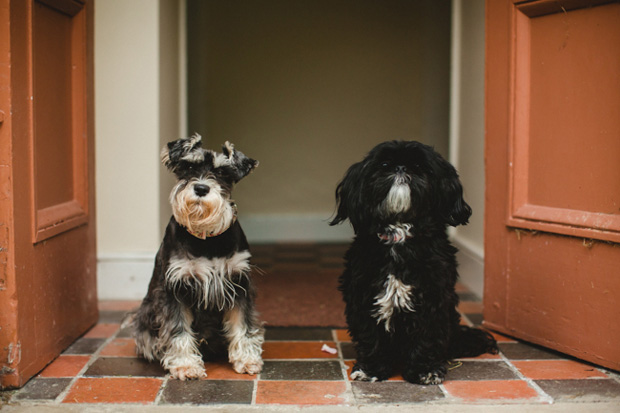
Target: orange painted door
[(47, 229), (552, 225)]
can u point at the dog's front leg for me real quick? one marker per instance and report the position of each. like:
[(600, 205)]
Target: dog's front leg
[(245, 339), (182, 357), (425, 362), (374, 355)]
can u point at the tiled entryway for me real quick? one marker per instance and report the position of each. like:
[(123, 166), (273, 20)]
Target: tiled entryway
[(101, 369)]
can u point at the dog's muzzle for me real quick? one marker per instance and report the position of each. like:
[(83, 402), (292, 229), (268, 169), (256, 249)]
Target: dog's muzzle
[(402, 177)]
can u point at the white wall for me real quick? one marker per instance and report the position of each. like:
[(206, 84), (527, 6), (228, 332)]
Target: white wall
[(137, 107), (467, 132), (127, 125)]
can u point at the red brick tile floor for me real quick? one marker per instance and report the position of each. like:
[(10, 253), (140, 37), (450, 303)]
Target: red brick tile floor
[(101, 370)]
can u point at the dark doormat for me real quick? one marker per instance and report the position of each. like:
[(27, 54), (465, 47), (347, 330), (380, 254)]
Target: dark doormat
[(298, 284)]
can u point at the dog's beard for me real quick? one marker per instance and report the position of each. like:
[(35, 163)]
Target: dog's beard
[(212, 213), (398, 199)]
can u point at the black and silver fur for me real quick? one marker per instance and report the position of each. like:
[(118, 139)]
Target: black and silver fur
[(400, 271), (200, 300)]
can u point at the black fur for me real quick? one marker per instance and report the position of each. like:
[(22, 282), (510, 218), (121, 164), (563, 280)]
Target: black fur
[(423, 332)]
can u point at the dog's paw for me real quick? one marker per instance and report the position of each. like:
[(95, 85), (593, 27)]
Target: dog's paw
[(360, 375), (251, 367), (431, 377), (188, 372)]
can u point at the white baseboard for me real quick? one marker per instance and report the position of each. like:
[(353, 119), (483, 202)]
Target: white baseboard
[(471, 265), (293, 228), (124, 276)]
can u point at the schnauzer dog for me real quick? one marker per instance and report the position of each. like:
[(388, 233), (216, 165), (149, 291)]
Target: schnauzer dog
[(400, 271), (200, 298)]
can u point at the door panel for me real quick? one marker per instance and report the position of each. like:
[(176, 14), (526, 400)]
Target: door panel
[(47, 237), (552, 222), (58, 41), (566, 125)]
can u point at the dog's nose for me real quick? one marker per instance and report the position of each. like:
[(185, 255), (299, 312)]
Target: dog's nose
[(401, 168), (201, 190)]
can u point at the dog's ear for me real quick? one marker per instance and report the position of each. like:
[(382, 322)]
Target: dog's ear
[(240, 164), (450, 206), (187, 148), (349, 200)]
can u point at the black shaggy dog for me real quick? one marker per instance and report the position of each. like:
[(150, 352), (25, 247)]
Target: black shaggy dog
[(400, 272)]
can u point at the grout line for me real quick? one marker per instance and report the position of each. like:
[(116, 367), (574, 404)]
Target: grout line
[(467, 320), (255, 390), (160, 392), (545, 398), (447, 397), (348, 396)]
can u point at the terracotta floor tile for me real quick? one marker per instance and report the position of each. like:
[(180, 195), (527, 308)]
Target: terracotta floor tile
[(120, 347), (300, 392), (485, 356), (490, 390), (297, 350), (556, 369), (502, 338), (114, 390), (102, 331), (65, 366), (342, 335), (222, 370), (119, 305)]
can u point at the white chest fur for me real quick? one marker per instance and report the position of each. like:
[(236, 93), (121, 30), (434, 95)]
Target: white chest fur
[(395, 296), (214, 276)]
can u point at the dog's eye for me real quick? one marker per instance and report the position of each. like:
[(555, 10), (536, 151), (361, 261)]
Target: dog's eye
[(385, 164)]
